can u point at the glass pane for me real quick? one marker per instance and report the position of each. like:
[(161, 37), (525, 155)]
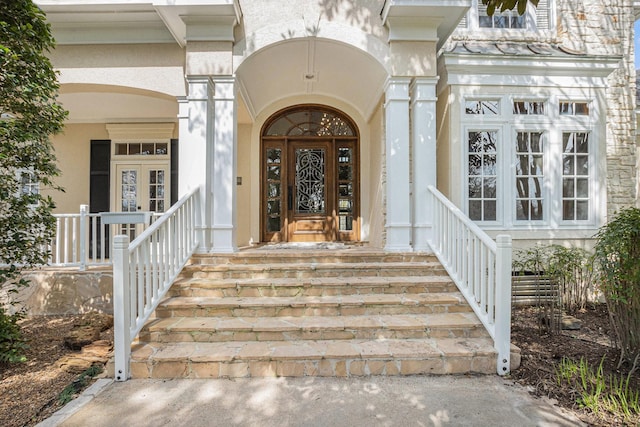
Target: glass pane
[(134, 148), (152, 191), (582, 165), (273, 207), (344, 172), (522, 209), (475, 210), (161, 191), (152, 177), (345, 190), (148, 149), (568, 209), (161, 148), (311, 122), (344, 205), (490, 210), (490, 188), (152, 205), (486, 107), (475, 164), (582, 142), (582, 187), (310, 180), (346, 222), (273, 224), (581, 108), (274, 155), (273, 173), (568, 188), (160, 206), (582, 210), (475, 188), (489, 167), (536, 209), (568, 165), (121, 149), (344, 155), (160, 177), (273, 190)]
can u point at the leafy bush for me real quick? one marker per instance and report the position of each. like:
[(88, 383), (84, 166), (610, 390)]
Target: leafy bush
[(572, 269), (12, 344), (618, 255)]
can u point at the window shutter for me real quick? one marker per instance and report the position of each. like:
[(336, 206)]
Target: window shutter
[(542, 15)]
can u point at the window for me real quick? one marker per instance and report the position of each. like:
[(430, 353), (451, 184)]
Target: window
[(29, 186), (535, 19), (532, 164), (575, 176), (482, 174), (529, 176), (507, 19)]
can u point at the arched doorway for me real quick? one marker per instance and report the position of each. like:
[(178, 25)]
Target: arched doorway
[(310, 176)]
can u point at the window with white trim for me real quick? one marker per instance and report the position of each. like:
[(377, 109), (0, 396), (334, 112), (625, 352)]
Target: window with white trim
[(535, 18), (527, 162)]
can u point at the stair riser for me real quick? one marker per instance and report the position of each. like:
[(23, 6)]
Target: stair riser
[(310, 311), (309, 273), (229, 336), (264, 291), (481, 364), (279, 258)]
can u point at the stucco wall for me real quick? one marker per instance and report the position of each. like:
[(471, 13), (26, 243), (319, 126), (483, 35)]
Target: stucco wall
[(375, 174), (244, 191)]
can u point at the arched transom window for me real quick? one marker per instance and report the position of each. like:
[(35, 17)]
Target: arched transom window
[(311, 121)]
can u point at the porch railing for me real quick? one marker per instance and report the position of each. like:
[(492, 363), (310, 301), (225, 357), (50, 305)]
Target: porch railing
[(144, 270), (480, 267), (82, 239)]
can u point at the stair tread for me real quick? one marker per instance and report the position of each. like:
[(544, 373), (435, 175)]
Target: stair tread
[(313, 323), (363, 281), (311, 349), (316, 301)]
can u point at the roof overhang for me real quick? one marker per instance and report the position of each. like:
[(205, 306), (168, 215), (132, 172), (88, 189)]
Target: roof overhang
[(423, 20), (151, 21)]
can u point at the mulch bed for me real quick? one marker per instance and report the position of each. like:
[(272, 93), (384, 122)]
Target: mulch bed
[(542, 353)]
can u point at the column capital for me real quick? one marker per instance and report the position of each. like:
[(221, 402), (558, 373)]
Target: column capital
[(397, 88), (423, 89)]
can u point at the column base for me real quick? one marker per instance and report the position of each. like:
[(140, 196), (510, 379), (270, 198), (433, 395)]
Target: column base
[(422, 235), (398, 238), (224, 240)]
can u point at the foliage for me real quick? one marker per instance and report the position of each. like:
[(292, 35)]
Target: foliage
[(503, 5), (30, 115), (572, 269), (618, 255), (12, 344), (598, 393)]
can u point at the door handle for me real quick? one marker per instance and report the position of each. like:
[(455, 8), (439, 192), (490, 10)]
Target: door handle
[(290, 197)]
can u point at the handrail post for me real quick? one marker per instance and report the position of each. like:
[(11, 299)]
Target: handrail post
[(503, 303), (84, 236), (121, 307)]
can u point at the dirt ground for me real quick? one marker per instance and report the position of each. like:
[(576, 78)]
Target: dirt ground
[(29, 392), (542, 353)]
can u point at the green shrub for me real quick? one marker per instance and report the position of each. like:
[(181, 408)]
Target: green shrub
[(618, 255), (12, 345)]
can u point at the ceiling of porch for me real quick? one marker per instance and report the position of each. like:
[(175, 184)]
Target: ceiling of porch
[(311, 66)]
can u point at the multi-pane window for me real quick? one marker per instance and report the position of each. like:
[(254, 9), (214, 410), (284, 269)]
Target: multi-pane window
[(482, 174), (523, 161), (507, 19), (529, 176), (575, 176)]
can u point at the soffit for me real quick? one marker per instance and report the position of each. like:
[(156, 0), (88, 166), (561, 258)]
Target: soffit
[(311, 66), (127, 21)]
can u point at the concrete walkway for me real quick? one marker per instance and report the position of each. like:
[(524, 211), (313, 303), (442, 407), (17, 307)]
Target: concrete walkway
[(371, 401)]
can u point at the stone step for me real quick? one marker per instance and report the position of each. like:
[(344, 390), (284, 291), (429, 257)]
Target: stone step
[(339, 305), (341, 358), (323, 286), (308, 270), (355, 255), (219, 329)]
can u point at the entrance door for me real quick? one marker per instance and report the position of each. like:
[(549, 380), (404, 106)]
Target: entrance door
[(141, 187), (310, 188)]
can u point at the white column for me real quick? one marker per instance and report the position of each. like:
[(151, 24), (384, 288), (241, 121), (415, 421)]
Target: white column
[(423, 161), (195, 151), (398, 219), (224, 165)]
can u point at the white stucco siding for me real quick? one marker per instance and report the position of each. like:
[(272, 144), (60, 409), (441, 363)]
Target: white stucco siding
[(155, 67)]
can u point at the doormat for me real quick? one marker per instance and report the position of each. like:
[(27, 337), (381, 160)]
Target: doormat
[(308, 246)]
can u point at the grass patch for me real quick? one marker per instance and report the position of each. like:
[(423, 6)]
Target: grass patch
[(70, 391)]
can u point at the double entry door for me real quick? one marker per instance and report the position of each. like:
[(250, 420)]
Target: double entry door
[(310, 191)]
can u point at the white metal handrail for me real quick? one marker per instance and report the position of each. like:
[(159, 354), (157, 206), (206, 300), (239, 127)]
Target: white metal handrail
[(480, 268), (144, 270)]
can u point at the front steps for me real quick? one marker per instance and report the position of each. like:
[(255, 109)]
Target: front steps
[(350, 312)]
